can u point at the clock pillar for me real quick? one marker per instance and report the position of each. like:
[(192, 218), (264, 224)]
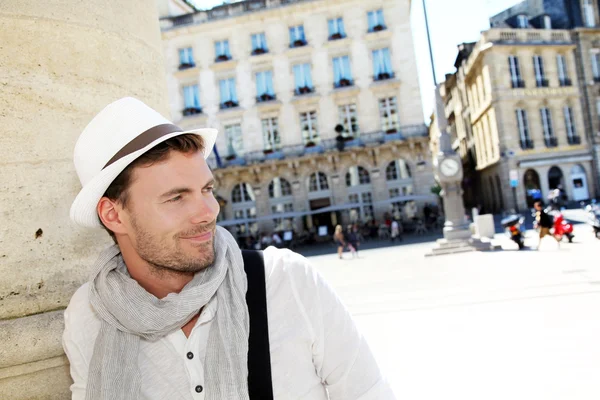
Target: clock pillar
[(457, 233)]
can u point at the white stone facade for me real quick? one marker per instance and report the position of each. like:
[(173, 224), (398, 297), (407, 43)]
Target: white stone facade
[(293, 159)]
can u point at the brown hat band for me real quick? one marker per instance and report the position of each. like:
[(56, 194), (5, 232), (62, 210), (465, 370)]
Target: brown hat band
[(143, 140)]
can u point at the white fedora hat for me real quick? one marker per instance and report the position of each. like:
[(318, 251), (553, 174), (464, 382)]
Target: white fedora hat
[(120, 133)]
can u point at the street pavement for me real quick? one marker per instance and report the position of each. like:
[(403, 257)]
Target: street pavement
[(500, 325)]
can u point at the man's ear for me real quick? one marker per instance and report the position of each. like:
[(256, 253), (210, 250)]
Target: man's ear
[(108, 212)]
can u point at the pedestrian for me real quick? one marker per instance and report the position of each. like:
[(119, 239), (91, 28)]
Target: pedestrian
[(277, 242), (395, 231), (352, 241), (544, 221), (174, 309), (339, 239)]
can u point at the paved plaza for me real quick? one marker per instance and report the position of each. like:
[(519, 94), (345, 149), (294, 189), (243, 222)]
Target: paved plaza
[(498, 325)]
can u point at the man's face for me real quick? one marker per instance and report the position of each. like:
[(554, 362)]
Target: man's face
[(171, 213), (537, 206)]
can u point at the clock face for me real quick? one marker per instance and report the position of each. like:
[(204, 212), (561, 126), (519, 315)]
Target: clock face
[(449, 167)]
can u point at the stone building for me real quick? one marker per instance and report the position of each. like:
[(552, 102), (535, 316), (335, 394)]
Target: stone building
[(517, 113), (60, 63), (318, 107)]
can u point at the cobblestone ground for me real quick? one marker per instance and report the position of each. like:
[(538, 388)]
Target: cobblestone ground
[(500, 325)]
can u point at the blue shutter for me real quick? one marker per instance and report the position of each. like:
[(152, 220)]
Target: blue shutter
[(196, 93), (269, 83), (340, 27), (182, 56), (224, 90), (263, 41), (232, 91), (255, 44), (347, 71), (331, 24), (372, 18), (186, 97), (217, 49), (301, 32), (380, 20), (387, 62), (337, 73), (260, 83), (307, 76), (298, 76), (226, 48), (292, 36), (377, 67)]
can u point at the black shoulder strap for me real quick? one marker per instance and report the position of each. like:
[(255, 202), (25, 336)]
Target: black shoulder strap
[(260, 386)]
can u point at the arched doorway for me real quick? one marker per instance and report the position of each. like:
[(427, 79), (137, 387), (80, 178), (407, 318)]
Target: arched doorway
[(360, 192), (531, 181), (579, 181), (555, 178)]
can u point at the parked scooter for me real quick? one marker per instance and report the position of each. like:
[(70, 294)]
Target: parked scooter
[(512, 224), (562, 228), (594, 218)]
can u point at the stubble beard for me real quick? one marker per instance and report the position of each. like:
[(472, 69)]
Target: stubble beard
[(166, 254)]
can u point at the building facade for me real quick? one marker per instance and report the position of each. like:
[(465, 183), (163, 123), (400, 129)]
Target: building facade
[(317, 104), (517, 114)]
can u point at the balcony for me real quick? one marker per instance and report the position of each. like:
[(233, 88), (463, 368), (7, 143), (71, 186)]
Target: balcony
[(574, 140), (541, 83), (565, 82), (382, 76), (343, 83), (551, 142), (229, 104), (263, 98), (337, 36), (527, 36), (378, 28), (187, 65), (191, 111), (222, 58), (304, 90), (258, 51), (298, 43), (518, 84), (326, 145), (527, 144)]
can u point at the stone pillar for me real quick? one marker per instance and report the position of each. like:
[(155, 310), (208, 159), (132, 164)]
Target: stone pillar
[(60, 63)]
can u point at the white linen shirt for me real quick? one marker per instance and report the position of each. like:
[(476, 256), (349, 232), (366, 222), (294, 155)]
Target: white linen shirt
[(316, 350)]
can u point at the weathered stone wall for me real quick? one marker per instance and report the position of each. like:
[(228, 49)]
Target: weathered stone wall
[(60, 63)]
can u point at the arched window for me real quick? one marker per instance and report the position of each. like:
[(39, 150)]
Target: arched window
[(242, 193), (317, 182), (279, 187), (396, 170), (357, 175)]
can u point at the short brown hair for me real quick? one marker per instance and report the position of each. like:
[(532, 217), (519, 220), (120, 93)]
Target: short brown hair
[(117, 191)]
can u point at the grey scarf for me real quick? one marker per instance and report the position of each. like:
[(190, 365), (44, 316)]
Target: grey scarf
[(129, 314)]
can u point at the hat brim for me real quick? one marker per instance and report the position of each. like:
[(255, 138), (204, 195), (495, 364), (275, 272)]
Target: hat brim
[(83, 210)]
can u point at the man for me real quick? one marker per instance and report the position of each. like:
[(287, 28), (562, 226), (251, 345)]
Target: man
[(544, 221), (164, 315)]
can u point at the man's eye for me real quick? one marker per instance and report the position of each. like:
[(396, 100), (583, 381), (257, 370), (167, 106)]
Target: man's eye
[(174, 199), (210, 189)]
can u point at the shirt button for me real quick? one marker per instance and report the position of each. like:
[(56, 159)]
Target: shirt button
[(190, 355), (199, 389)]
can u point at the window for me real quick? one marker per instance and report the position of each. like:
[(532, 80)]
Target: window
[(588, 14), (222, 51), (515, 72), (376, 22), (317, 182), (538, 66), (382, 65), (186, 58), (596, 64), (357, 175), (259, 44), (271, 139), (523, 125), (549, 138), (228, 95), (233, 136), (309, 126), (297, 38), (336, 29), (191, 100), (303, 79), (279, 187), (547, 22), (365, 202), (282, 208), (563, 78), (264, 86), (388, 114), (348, 119), (397, 170), (522, 21), (342, 75), (572, 137), (242, 193)]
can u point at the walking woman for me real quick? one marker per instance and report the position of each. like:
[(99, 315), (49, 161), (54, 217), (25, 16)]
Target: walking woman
[(338, 236)]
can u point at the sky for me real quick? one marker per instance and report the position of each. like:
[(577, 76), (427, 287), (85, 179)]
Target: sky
[(450, 22)]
